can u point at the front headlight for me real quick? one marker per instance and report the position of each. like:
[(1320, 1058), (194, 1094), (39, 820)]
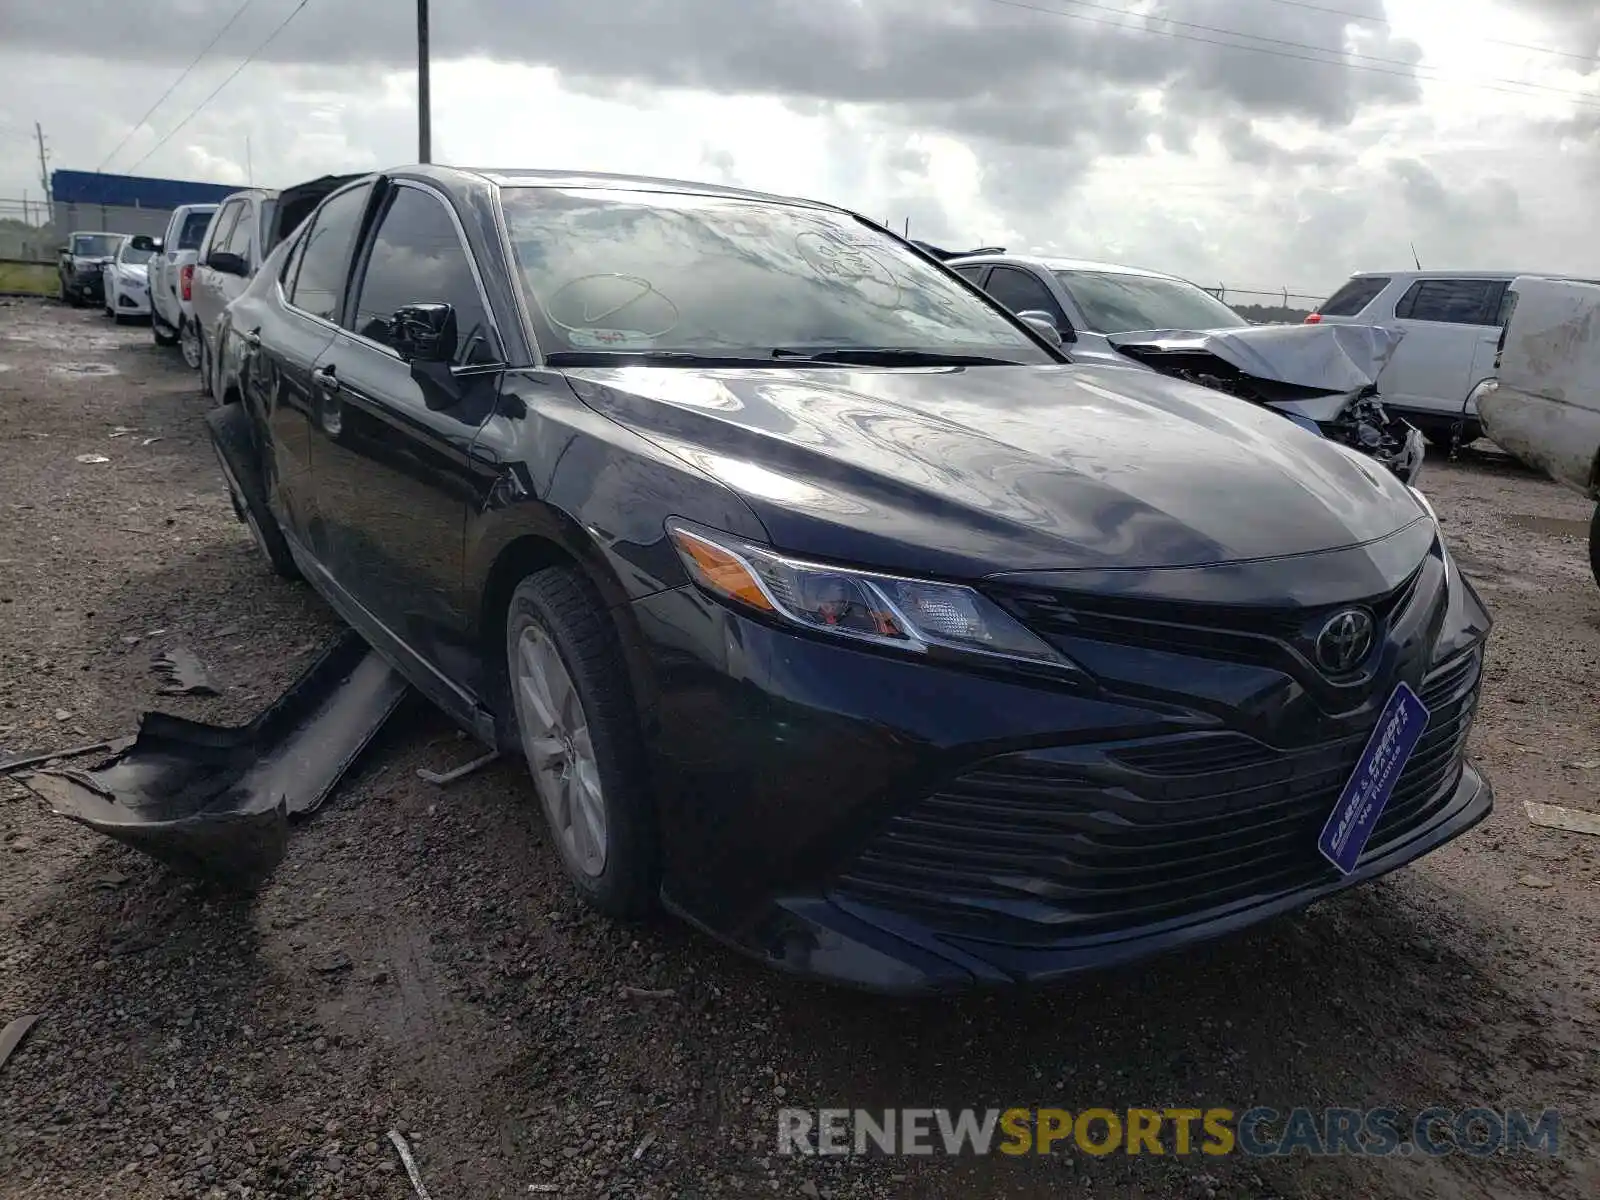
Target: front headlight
[(908, 614)]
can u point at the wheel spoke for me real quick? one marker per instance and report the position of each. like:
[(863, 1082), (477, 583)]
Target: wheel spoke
[(561, 803), (535, 707), (560, 750), (536, 690), (546, 753), (558, 686), (582, 746), (584, 844), (591, 808)]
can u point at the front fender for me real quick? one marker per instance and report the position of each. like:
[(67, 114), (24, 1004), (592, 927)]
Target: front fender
[(550, 467)]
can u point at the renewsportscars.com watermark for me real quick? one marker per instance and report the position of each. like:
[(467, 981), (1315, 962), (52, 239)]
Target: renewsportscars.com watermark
[(1259, 1132)]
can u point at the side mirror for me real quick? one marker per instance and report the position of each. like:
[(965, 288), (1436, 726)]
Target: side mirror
[(1043, 323), (143, 241), (228, 263), (424, 332)]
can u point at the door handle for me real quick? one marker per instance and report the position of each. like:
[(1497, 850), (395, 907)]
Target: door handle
[(483, 454), (326, 379)]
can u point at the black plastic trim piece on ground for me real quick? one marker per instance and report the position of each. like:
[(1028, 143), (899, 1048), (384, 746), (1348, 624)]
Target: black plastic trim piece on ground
[(215, 801)]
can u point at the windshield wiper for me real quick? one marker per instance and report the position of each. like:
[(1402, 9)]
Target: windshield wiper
[(647, 358), (890, 356), (886, 356)]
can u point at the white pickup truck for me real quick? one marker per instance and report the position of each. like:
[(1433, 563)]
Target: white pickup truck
[(171, 278), (1544, 403)]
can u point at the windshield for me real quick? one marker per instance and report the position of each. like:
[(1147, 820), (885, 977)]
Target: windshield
[(634, 272), (95, 245), (131, 257), (194, 229), (1116, 302)]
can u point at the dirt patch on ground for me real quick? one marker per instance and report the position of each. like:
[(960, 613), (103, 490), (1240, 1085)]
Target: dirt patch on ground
[(418, 963)]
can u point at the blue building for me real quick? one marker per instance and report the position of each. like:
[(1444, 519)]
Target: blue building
[(124, 203)]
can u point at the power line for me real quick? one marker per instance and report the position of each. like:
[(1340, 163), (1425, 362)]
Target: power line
[(1581, 99), (1342, 54), (1343, 12), (250, 58), (182, 75)]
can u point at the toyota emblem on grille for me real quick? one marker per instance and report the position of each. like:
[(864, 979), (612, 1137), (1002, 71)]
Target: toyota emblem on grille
[(1344, 641)]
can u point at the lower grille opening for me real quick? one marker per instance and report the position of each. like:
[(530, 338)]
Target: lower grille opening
[(1036, 849)]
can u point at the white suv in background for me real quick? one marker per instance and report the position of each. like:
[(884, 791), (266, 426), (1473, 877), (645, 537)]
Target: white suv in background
[(1452, 322)]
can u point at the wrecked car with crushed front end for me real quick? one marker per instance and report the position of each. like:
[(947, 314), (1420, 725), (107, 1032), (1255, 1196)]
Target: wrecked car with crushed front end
[(828, 604), (1321, 377), (80, 266)]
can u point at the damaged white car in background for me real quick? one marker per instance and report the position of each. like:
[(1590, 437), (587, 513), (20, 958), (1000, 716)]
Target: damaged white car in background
[(1322, 377), (1543, 406)]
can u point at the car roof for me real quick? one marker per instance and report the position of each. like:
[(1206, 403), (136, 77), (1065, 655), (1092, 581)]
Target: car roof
[(1052, 263), (1413, 273), (520, 177), (252, 192)]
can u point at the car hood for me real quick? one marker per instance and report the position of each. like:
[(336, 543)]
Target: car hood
[(134, 270), (1332, 358), (967, 471)]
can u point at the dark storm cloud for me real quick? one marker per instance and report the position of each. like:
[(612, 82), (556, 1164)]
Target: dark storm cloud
[(979, 68)]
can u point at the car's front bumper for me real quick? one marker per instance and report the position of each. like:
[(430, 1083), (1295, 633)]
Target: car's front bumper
[(87, 285), (906, 828), (133, 300)]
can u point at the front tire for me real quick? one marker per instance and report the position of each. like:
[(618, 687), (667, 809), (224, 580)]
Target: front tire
[(576, 723)]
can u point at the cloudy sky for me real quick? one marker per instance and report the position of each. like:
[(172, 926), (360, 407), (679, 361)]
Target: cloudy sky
[(1258, 143)]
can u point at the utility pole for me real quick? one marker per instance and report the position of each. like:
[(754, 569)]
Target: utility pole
[(44, 165), (249, 167), (424, 115)]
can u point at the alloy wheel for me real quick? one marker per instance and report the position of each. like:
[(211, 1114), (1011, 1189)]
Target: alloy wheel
[(189, 342), (555, 737)]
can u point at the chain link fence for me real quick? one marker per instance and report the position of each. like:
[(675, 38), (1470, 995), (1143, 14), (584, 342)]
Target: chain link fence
[(26, 232)]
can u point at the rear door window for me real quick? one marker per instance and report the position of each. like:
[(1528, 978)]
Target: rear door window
[(222, 228), (241, 236), (1452, 301), (194, 229), (325, 254), (1355, 295), (291, 267), (1020, 291)]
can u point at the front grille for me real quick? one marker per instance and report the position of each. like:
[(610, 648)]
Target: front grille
[(1276, 637), (1042, 847)]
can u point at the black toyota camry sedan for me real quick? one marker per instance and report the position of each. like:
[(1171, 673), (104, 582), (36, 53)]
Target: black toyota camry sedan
[(832, 606)]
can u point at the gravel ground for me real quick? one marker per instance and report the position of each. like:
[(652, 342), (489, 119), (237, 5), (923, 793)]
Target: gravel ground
[(418, 964)]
